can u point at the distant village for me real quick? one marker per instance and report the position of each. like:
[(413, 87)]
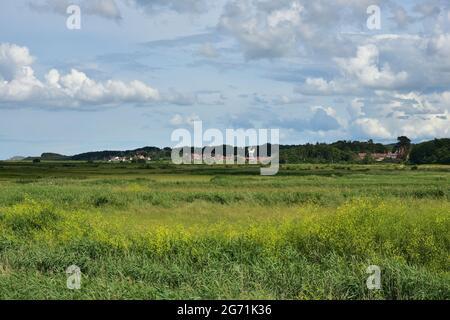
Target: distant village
[(135, 158), (193, 157)]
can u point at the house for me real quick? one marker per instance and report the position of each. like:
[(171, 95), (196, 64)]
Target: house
[(379, 156), (141, 157), (393, 155)]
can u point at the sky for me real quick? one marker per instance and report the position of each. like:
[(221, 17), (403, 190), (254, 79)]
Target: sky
[(137, 70)]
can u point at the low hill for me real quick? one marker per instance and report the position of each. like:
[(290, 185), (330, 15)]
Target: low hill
[(54, 157), (16, 158)]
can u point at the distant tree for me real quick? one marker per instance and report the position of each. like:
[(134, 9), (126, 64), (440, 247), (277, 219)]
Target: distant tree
[(368, 159), (36, 160), (403, 147), (431, 152)]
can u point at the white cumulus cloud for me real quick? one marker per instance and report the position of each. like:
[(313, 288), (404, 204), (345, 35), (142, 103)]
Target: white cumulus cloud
[(365, 68), (19, 85), (370, 128), (265, 34)]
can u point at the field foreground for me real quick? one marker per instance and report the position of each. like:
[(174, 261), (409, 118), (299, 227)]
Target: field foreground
[(164, 232)]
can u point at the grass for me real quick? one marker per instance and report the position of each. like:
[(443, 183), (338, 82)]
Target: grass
[(194, 232)]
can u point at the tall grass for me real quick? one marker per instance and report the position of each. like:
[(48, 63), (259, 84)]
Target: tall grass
[(316, 254), (166, 236)]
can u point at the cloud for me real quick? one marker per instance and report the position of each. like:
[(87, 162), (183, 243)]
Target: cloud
[(13, 59), (284, 28), (364, 68), (416, 115), (370, 128), (205, 98), (107, 9), (414, 104), (103, 8), (180, 6), (179, 120), (440, 45), (419, 62), (277, 100), (342, 56), (273, 33), (19, 85), (322, 87), (179, 98), (323, 119), (429, 128), (411, 104)]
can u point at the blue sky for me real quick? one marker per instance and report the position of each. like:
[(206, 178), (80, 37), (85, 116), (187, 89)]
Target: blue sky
[(138, 69)]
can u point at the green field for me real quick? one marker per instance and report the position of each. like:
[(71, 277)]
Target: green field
[(195, 232)]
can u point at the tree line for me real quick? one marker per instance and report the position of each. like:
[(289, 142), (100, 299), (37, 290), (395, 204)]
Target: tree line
[(436, 151)]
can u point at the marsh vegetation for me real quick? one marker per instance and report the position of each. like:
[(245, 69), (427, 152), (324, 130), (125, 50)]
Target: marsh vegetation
[(165, 232)]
